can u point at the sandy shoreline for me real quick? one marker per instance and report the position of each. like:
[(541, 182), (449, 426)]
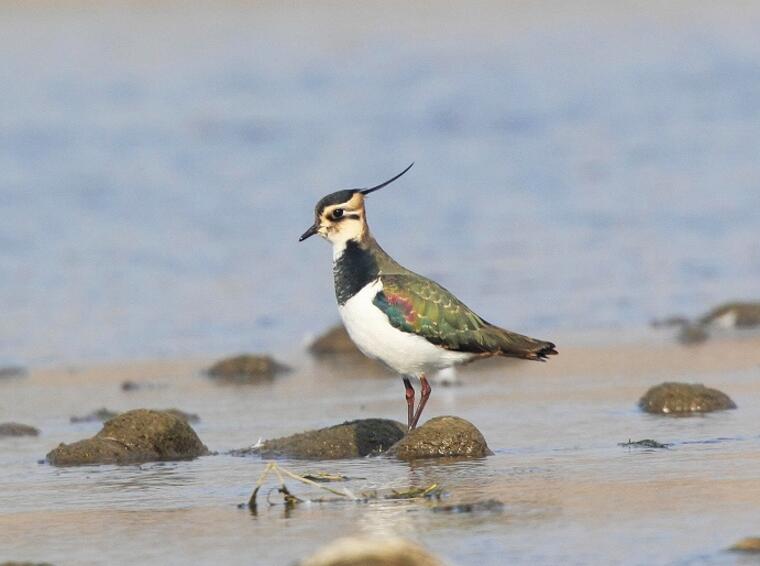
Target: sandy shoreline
[(555, 429), (665, 359)]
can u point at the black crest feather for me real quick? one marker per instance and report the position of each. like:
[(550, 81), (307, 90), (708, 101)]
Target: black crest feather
[(381, 185)]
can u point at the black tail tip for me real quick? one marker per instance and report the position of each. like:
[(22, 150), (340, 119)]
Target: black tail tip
[(546, 350)]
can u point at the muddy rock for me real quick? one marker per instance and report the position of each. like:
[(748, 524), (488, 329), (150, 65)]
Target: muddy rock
[(684, 399), (749, 544), (129, 385), (187, 417), (645, 443), (371, 551), (335, 341), (335, 345), (733, 315), (670, 321), (102, 415), (441, 437), (483, 506), (246, 368), (16, 429), (352, 439), (691, 334), (730, 315), (135, 436), (12, 371)]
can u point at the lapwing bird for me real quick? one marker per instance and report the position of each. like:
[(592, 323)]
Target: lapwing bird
[(408, 322)]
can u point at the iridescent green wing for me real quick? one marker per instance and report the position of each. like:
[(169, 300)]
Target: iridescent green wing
[(419, 306)]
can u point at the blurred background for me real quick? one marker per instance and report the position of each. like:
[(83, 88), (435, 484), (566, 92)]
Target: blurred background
[(580, 168)]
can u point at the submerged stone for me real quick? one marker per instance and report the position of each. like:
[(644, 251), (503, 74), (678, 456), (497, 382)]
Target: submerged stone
[(135, 436), (187, 417), (371, 551), (485, 506), (103, 415), (17, 429), (334, 341), (12, 371), (246, 368), (675, 320), (441, 437), (691, 334), (645, 443), (733, 315), (749, 544), (335, 345), (730, 315), (99, 415), (672, 398), (129, 385), (352, 439)]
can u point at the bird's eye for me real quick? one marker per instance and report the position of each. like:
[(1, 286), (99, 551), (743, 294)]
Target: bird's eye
[(337, 213)]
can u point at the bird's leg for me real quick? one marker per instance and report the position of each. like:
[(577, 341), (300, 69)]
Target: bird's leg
[(409, 402), (424, 394)]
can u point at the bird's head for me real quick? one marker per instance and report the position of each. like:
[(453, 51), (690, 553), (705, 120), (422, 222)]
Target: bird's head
[(339, 217)]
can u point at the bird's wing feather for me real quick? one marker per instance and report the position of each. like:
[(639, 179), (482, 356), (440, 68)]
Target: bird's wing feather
[(417, 305), (420, 306)]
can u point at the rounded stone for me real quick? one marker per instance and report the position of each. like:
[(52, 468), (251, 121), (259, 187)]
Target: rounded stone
[(99, 415), (334, 341), (672, 398), (451, 437), (749, 544), (12, 371), (670, 321), (371, 551), (246, 368), (102, 415), (353, 439), (17, 429), (336, 346), (691, 334), (135, 436), (185, 416), (733, 315)]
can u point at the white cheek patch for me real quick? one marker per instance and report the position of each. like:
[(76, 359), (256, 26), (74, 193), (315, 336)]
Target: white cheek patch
[(344, 230)]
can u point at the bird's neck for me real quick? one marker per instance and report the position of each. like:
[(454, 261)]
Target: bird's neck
[(354, 266), (359, 234)]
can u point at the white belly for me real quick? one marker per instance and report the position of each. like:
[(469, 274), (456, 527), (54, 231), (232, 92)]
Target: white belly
[(374, 335)]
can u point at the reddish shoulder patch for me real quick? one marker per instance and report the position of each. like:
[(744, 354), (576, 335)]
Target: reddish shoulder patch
[(404, 305)]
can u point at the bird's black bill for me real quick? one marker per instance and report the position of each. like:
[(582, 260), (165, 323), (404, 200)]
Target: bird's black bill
[(309, 233), (388, 182)]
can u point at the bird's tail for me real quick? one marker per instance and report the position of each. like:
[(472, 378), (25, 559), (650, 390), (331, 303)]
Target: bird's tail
[(515, 345)]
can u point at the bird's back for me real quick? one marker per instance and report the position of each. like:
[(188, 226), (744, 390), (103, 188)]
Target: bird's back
[(415, 304)]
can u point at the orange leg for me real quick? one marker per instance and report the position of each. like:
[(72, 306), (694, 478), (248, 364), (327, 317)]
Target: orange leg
[(409, 403), (424, 395)]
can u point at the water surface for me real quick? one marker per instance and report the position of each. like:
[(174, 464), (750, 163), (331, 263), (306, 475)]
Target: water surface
[(586, 167), (580, 169), (570, 493)]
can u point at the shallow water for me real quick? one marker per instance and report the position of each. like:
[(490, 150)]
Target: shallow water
[(579, 171), (570, 493), (577, 168)]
